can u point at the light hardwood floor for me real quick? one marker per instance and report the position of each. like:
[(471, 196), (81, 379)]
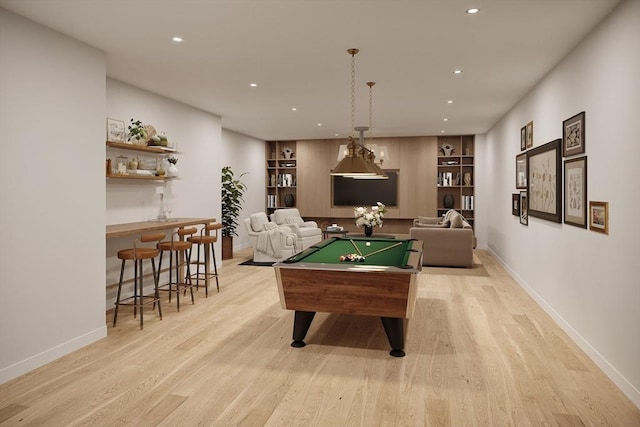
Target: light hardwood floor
[(480, 352)]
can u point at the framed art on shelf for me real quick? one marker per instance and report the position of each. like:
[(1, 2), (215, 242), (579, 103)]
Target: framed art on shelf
[(524, 211), (599, 217), (115, 130), (575, 192), (529, 134), (515, 204), (544, 181), (573, 135), (521, 171), (523, 138)]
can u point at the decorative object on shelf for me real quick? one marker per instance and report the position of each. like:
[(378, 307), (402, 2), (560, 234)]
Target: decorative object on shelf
[(121, 165), (115, 130), (173, 169), (287, 153), (447, 149), (289, 200), (467, 178), (164, 141), (599, 217), (369, 217), (575, 192), (109, 171), (232, 191), (133, 164), (448, 201), (544, 183), (573, 135), (137, 133)]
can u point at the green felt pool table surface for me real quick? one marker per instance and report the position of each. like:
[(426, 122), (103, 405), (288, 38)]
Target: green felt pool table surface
[(377, 251)]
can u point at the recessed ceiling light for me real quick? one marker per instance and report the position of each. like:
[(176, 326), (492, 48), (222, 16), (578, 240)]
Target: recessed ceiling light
[(472, 11), (294, 109), (177, 39), (336, 134), (457, 71), (442, 131), (319, 124), (253, 84), (445, 120), (450, 101)]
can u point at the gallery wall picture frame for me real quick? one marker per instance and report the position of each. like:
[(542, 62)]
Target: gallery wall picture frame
[(515, 204), (524, 210), (573, 136), (115, 130), (521, 171), (575, 192), (544, 181), (599, 217), (523, 138), (529, 134)]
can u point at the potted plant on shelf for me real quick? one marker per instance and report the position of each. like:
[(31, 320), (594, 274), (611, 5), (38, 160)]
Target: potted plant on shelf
[(232, 191), (137, 133)]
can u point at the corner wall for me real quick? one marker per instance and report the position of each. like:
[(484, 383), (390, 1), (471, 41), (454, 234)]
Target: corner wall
[(52, 212), (587, 281)]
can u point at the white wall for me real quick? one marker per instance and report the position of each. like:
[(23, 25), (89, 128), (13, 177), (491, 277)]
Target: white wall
[(588, 282), (196, 193), (52, 208), (246, 154)]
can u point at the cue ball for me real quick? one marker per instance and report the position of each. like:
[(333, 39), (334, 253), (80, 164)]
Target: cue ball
[(368, 244)]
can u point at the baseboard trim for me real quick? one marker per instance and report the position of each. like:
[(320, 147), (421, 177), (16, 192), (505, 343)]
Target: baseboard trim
[(609, 370), (40, 359)]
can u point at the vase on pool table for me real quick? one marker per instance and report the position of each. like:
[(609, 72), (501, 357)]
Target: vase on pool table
[(368, 230)]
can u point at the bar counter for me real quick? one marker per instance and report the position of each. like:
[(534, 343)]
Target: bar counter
[(131, 228)]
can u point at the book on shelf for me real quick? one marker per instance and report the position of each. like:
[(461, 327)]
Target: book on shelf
[(467, 203), (272, 200)]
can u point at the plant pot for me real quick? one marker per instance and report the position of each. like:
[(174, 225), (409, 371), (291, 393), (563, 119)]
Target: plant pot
[(227, 247), (173, 170), (368, 230)]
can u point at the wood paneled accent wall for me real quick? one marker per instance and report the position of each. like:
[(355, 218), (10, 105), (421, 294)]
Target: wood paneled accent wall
[(413, 157)]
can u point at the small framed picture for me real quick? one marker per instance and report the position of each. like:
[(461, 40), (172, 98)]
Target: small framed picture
[(523, 138), (115, 131), (573, 135), (515, 204), (575, 192), (524, 210), (599, 217), (521, 171), (529, 135), (544, 181)]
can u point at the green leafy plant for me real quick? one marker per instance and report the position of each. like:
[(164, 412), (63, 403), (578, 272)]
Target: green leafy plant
[(136, 131), (172, 160), (232, 191)]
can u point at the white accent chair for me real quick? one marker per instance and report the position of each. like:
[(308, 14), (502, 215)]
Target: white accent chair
[(270, 242), (308, 233)]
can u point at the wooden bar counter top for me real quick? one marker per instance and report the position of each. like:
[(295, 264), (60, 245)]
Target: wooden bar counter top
[(131, 228)]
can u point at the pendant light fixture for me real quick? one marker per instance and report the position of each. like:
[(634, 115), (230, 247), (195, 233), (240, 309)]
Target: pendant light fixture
[(369, 153), (353, 164)]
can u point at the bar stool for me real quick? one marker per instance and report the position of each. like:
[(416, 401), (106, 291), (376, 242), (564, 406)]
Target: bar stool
[(137, 255), (203, 240), (177, 248)]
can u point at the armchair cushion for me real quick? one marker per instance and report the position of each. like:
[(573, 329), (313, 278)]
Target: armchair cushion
[(258, 220), (293, 220)]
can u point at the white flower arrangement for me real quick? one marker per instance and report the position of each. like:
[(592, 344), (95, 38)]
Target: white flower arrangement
[(368, 217)]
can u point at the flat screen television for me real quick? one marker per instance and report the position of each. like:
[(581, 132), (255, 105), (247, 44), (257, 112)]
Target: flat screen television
[(365, 192)]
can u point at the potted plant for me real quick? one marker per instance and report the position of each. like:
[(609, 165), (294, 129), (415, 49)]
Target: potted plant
[(137, 132), (232, 191)]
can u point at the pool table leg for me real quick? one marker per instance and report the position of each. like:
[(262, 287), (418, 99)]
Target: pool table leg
[(394, 327), (302, 321)]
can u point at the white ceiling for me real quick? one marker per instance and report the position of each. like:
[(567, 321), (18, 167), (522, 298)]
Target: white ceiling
[(296, 51)]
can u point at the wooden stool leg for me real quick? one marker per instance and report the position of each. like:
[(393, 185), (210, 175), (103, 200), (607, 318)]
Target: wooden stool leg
[(139, 300), (156, 280), (215, 265)]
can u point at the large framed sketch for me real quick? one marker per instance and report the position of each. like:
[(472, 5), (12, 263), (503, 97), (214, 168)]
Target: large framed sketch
[(521, 171), (575, 192), (544, 182)]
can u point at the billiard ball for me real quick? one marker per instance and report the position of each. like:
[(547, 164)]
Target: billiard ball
[(368, 244)]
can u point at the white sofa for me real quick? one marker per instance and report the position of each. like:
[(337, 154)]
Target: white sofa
[(270, 242), (307, 232)]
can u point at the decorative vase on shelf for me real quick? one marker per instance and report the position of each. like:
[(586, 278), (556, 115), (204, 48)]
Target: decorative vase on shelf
[(368, 230), (172, 170), (289, 200), (448, 201)]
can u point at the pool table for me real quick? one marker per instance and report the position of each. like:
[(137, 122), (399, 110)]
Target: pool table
[(383, 284)]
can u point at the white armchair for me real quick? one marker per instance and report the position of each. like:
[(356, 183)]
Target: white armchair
[(271, 243), (307, 232)]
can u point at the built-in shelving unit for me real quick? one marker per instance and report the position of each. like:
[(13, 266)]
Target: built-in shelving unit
[(456, 175), (281, 176)]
